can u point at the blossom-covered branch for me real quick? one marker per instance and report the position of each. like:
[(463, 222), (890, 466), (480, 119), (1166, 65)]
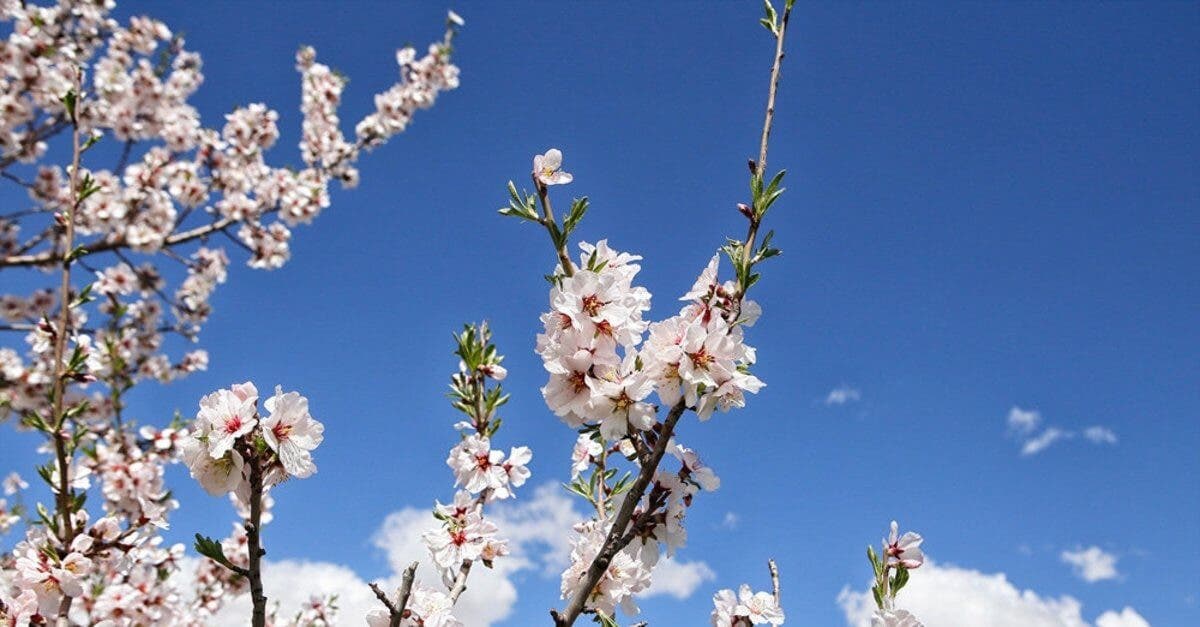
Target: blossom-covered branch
[(602, 376), (233, 449), (464, 535)]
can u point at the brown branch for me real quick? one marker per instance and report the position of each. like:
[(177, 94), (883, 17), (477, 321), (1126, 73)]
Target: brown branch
[(103, 245), (396, 610), (254, 540), (382, 596), (460, 581), (617, 539)]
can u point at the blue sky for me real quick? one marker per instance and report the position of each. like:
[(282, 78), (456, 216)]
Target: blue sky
[(990, 206)]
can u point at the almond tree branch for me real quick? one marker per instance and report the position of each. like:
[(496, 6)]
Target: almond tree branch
[(396, 610), (460, 581), (760, 168), (617, 539), (103, 245), (64, 495), (254, 540)]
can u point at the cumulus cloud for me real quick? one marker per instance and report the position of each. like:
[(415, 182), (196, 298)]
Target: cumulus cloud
[(291, 583), (1022, 421), (1023, 425), (678, 579), (841, 395), (1091, 564), (538, 529), (1100, 435), (949, 596), (1127, 618)]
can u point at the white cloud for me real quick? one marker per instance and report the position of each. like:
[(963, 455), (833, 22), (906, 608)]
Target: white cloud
[(730, 521), (678, 579), (292, 582), (948, 596), (1100, 435), (538, 529), (1041, 442), (1127, 618), (1023, 424), (1092, 564), (841, 395), (1022, 421)]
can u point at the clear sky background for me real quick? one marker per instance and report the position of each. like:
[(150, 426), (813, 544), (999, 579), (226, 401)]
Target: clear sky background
[(990, 206)]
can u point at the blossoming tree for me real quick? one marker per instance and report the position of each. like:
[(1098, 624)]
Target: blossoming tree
[(174, 194), (147, 194)]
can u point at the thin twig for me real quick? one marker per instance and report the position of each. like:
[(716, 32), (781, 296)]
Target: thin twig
[(774, 579), (10, 176), (396, 610), (406, 584), (383, 598), (65, 496), (547, 220), (460, 581), (761, 166)]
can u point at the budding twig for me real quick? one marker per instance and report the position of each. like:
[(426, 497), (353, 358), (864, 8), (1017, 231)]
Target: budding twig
[(543, 192), (760, 168)]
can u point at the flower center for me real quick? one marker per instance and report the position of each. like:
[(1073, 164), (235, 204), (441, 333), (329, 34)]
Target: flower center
[(701, 359), (578, 381), (281, 430), (592, 304)]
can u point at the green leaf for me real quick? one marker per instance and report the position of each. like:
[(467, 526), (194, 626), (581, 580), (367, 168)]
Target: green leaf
[(78, 252), (69, 100), (579, 207), (899, 579), (212, 550)]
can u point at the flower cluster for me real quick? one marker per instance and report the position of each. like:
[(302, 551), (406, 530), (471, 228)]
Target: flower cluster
[(600, 371), (114, 573), (228, 429), (745, 608), (627, 574)]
